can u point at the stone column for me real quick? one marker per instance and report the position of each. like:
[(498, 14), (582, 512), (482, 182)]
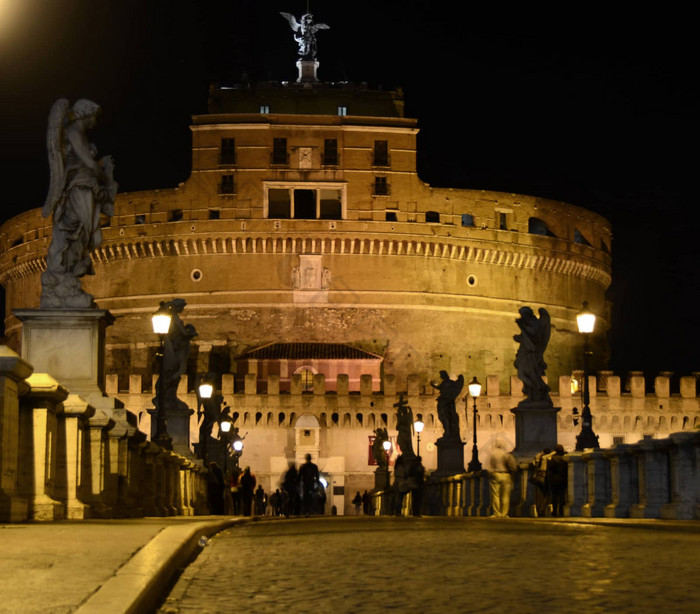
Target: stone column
[(653, 467), (97, 464), (535, 428), (40, 432), (624, 486), (13, 371), (685, 477), (577, 487), (598, 484), (72, 424)]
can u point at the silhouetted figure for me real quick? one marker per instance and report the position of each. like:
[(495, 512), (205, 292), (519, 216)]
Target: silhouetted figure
[(357, 502), (502, 465), (540, 481), (557, 476), (215, 489), (416, 481), (309, 478), (276, 503), (247, 491), (447, 413), (365, 503), (260, 501), (290, 490), (235, 489), (529, 359)]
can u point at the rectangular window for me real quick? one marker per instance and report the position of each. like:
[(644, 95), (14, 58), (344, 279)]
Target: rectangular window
[(214, 214), (381, 153), (381, 186), (279, 204), (279, 151), (342, 110), (391, 216), (331, 206), (228, 151), (330, 152), (467, 219), (227, 185), (174, 215), (140, 219), (264, 109), (502, 221)]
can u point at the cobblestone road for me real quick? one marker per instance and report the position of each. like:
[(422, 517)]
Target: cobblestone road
[(366, 564)]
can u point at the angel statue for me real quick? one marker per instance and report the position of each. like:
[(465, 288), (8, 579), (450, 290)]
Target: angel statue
[(447, 412), (378, 451), (81, 188), (529, 359), (305, 34)]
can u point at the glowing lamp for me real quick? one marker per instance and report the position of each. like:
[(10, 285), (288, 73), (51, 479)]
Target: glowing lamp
[(161, 320), (474, 388), (585, 319), (225, 426), (238, 445), (418, 426)]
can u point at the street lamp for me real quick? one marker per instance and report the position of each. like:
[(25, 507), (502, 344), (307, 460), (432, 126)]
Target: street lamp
[(586, 324), (387, 446), (161, 326), (474, 391), (418, 426)]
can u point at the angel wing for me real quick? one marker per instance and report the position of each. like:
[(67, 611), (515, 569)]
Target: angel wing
[(292, 20), (322, 26), (545, 327), (54, 145)]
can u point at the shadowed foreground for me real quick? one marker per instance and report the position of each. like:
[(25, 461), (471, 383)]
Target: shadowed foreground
[(348, 564)]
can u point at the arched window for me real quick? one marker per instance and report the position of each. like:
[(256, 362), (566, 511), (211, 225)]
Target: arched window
[(307, 377)]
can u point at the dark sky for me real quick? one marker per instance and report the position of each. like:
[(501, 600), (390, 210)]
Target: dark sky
[(579, 104)]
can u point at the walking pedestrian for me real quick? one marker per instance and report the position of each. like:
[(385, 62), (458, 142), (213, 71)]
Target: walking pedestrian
[(357, 502), (538, 478), (557, 477), (365, 503), (247, 491), (260, 501), (290, 491), (309, 478), (502, 465)]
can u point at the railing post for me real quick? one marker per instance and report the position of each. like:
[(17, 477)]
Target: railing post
[(598, 484), (624, 484), (577, 487), (685, 477)]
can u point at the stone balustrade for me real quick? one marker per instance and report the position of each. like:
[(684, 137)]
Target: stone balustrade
[(60, 457), (654, 478)]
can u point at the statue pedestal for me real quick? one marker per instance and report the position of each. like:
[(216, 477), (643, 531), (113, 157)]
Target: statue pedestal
[(307, 71), (68, 344), (381, 478), (450, 456), (535, 428)]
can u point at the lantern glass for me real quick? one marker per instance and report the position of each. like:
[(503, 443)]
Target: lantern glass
[(225, 426), (206, 390), (585, 320), (474, 388), (161, 321), (238, 445), (418, 426)]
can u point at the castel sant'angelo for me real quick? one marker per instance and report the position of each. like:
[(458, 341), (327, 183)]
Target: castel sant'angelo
[(324, 277)]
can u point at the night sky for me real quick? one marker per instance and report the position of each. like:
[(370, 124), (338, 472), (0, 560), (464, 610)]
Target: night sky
[(594, 108)]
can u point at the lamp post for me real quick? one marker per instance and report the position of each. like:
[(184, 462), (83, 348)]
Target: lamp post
[(585, 320), (418, 426), (387, 446), (474, 391), (161, 326)]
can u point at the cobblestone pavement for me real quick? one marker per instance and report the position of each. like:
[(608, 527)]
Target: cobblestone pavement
[(367, 564)]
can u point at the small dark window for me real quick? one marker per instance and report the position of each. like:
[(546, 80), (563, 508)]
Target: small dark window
[(279, 204), (579, 238), (279, 151), (618, 439), (467, 219), (432, 217), (228, 151), (391, 216), (304, 205), (381, 153), (330, 152), (214, 214), (140, 219), (174, 215), (227, 185), (381, 186), (536, 226), (17, 242), (502, 221)]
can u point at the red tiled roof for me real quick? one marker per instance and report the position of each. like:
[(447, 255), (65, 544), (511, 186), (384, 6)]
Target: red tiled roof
[(308, 351)]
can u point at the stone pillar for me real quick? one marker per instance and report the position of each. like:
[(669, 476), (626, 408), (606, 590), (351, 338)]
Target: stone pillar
[(598, 484), (307, 71), (97, 464), (13, 371), (577, 487), (624, 486), (39, 426), (653, 467), (484, 490), (72, 427), (535, 428), (685, 477)]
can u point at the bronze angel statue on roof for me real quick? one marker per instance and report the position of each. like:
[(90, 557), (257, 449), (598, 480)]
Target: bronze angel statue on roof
[(81, 189), (305, 33)]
